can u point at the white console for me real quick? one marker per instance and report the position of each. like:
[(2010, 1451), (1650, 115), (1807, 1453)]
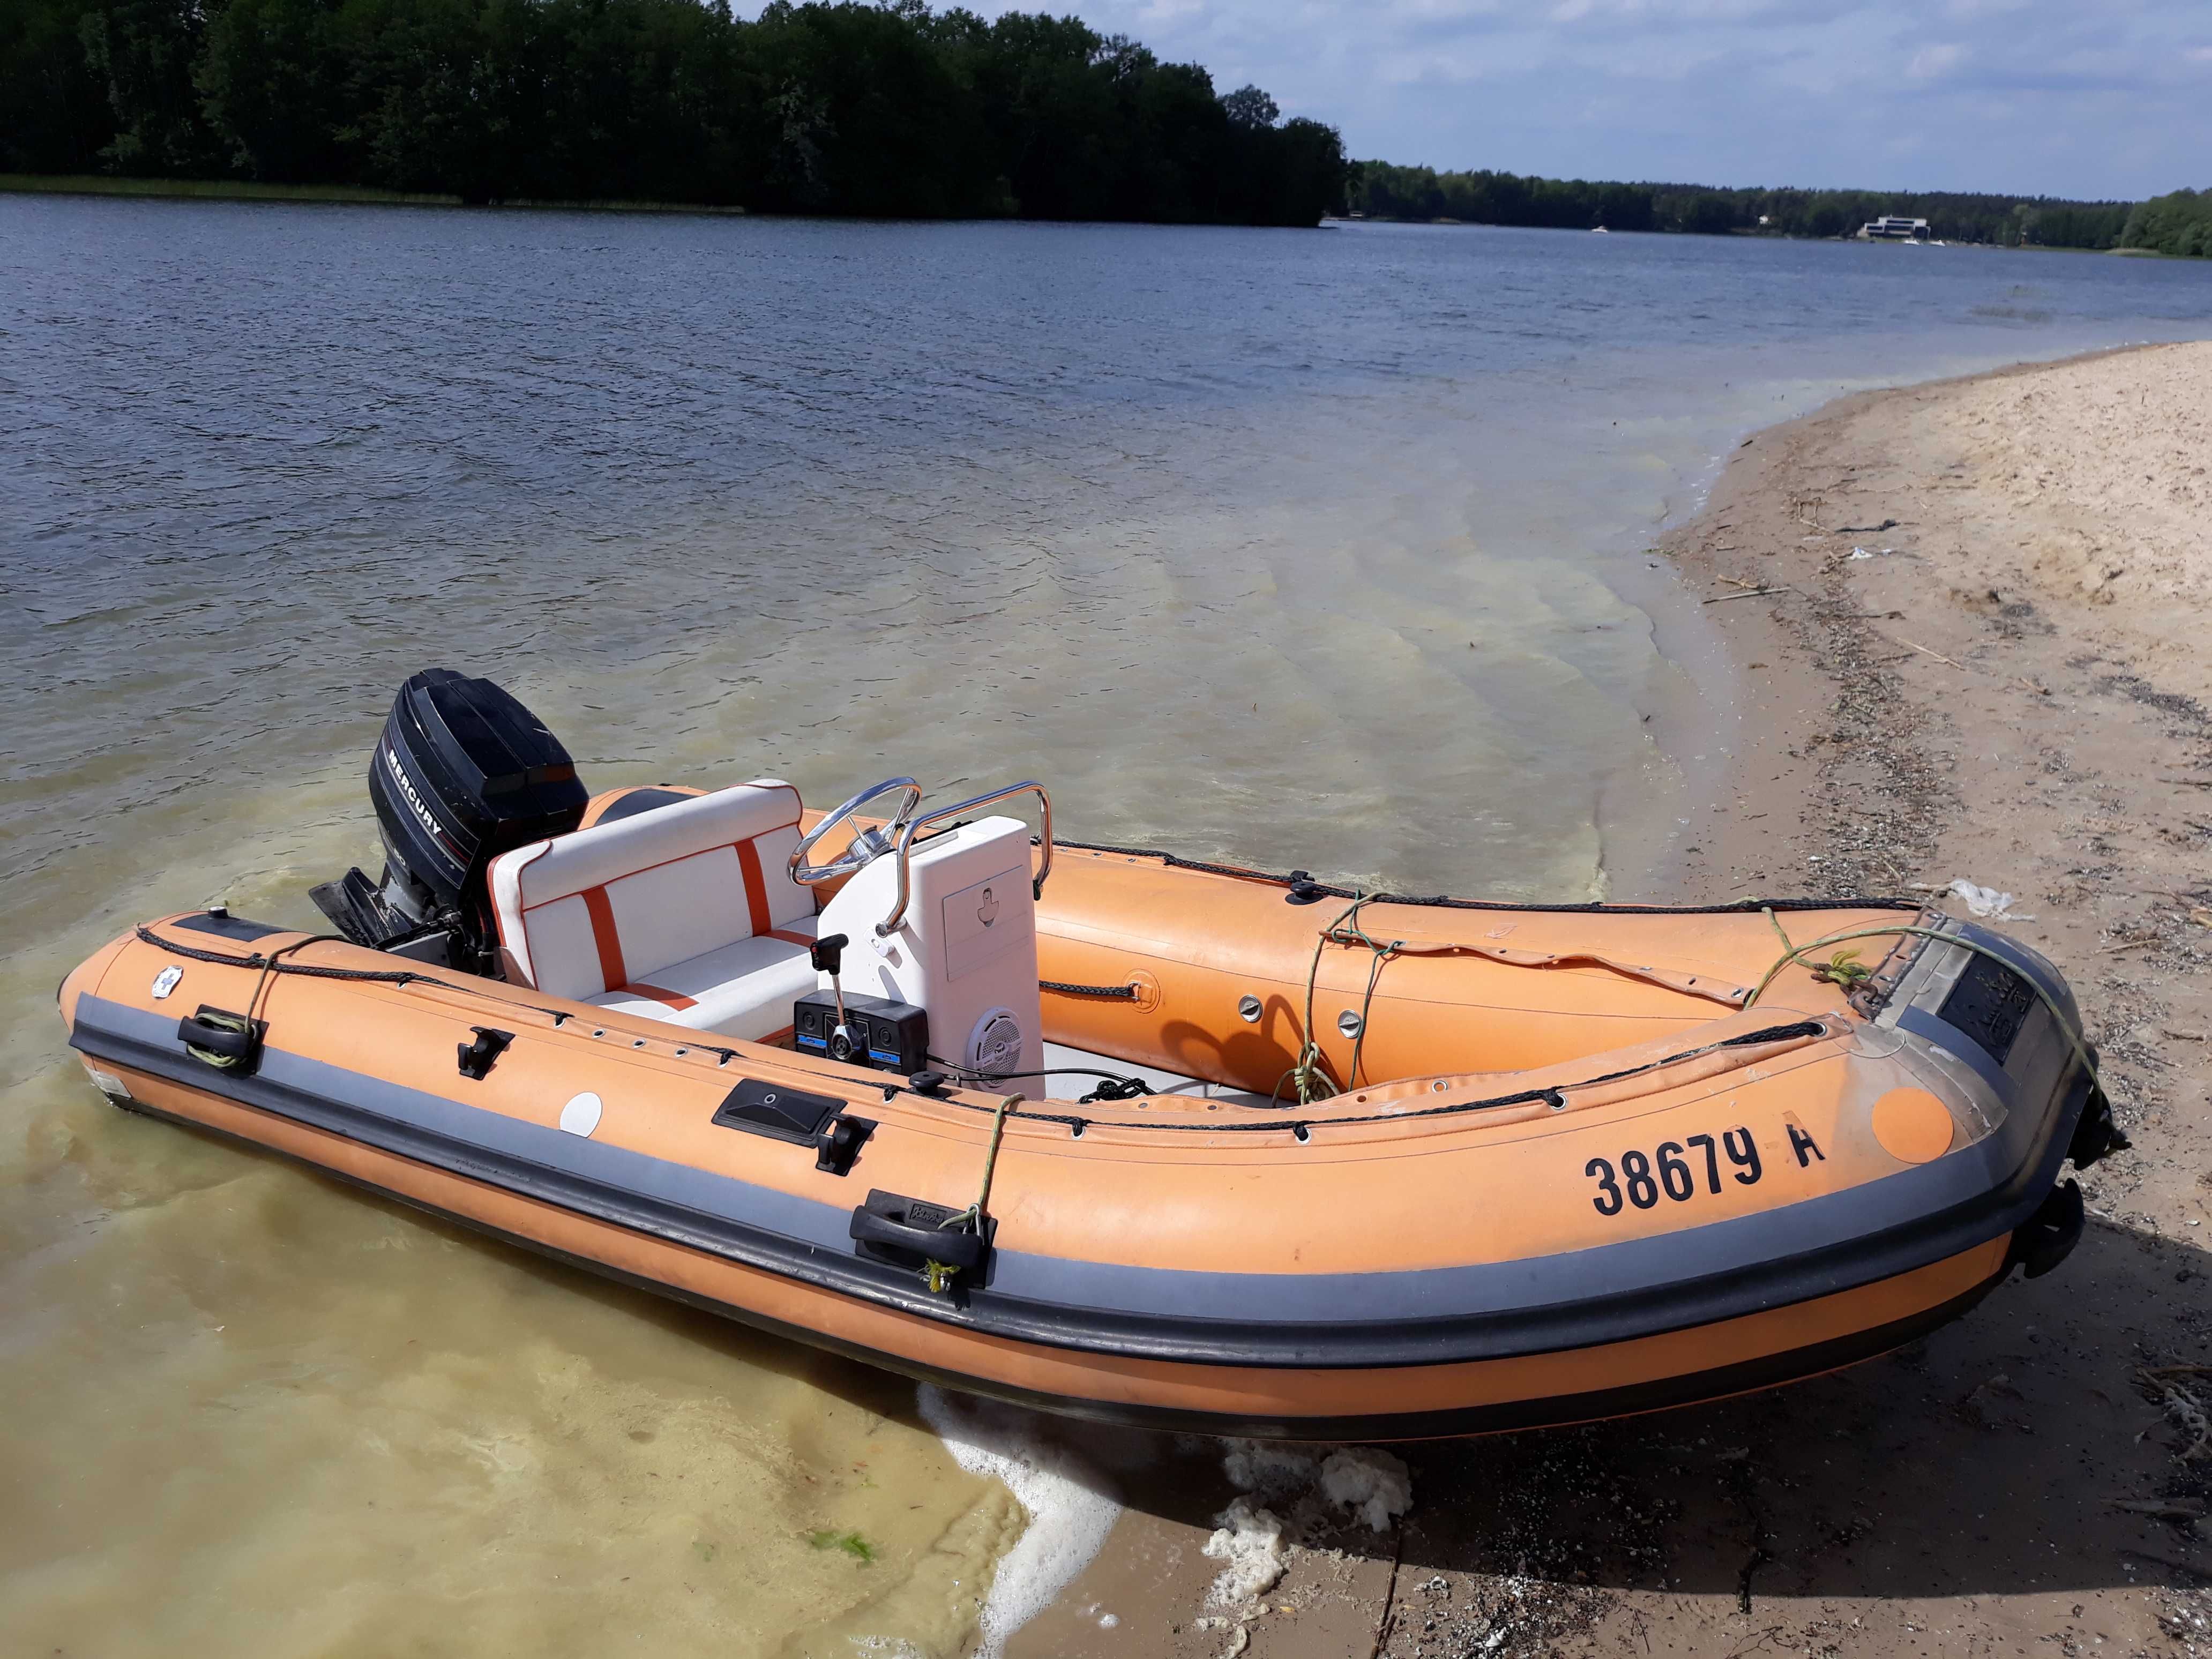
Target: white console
[(965, 951)]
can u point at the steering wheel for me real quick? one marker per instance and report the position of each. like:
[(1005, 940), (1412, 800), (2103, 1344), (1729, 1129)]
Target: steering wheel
[(868, 845)]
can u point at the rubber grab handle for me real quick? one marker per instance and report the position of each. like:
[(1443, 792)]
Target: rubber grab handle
[(217, 1039), (960, 1249)]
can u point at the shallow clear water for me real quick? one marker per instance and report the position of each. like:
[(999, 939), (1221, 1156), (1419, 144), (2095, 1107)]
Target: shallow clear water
[(1304, 548)]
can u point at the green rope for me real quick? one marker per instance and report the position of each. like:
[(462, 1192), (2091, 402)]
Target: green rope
[(1348, 930), (1307, 1071), (1311, 1074), (937, 1275), (1843, 969)]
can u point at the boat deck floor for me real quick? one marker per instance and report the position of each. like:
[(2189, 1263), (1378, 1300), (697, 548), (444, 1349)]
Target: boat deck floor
[(1164, 1083)]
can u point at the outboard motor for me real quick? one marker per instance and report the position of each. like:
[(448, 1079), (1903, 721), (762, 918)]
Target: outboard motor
[(462, 773)]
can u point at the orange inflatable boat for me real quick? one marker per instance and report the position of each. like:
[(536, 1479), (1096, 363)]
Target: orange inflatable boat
[(1119, 1134)]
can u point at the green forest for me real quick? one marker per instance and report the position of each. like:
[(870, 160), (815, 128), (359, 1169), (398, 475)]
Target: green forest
[(1381, 191), (888, 110), (2180, 224)]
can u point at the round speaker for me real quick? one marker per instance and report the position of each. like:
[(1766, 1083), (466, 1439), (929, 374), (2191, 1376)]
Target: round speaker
[(995, 1048)]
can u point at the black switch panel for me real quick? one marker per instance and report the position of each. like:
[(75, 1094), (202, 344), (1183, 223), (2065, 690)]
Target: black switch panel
[(888, 1036)]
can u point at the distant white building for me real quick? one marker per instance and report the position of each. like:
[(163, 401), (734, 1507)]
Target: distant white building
[(1891, 228)]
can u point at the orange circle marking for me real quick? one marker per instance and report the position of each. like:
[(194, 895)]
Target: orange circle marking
[(1911, 1126)]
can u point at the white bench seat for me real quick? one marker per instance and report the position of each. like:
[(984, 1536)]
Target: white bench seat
[(743, 990), (685, 913)]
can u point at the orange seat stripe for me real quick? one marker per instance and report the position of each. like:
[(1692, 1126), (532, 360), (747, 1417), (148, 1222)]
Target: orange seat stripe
[(755, 889), (673, 998), (612, 973)]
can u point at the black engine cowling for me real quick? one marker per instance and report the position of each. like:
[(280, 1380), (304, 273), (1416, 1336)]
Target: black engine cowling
[(462, 773)]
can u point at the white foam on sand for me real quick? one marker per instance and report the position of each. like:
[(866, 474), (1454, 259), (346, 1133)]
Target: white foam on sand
[(1373, 1485), (1070, 1504), (1268, 1469), (1250, 1541)]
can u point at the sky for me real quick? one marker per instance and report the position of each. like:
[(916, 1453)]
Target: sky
[(2078, 98)]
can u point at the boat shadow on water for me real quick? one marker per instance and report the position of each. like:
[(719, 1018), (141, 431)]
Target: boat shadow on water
[(2018, 1450)]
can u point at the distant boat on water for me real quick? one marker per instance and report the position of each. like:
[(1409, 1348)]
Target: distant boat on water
[(1599, 230)]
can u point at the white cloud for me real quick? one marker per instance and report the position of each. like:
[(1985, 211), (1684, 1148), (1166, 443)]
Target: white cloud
[(2037, 95), (1932, 62)]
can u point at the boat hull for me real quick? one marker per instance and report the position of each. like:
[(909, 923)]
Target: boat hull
[(1408, 1401), (1314, 1279)]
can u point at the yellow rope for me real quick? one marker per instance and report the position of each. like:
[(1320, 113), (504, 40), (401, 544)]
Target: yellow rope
[(937, 1275), (1840, 965), (1314, 1082), (221, 1022)]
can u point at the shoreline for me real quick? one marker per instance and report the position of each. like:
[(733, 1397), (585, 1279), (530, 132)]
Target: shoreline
[(1784, 672), (1730, 687), (1985, 701), (240, 189), (1809, 651), (1742, 235), (244, 190)]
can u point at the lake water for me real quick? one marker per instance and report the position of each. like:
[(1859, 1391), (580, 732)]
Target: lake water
[(1317, 548)]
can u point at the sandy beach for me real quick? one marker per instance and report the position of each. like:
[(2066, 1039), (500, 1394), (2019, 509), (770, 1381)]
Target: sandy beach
[(1968, 622)]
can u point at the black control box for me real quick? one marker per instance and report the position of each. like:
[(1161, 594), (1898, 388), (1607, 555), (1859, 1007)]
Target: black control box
[(887, 1036)]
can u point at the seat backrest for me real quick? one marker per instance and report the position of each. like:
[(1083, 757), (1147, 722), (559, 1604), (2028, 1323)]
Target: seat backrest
[(593, 911)]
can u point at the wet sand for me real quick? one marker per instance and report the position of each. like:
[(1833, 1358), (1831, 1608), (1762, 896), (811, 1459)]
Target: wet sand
[(1968, 622)]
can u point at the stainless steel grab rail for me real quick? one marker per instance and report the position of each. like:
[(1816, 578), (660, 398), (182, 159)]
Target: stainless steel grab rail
[(906, 845)]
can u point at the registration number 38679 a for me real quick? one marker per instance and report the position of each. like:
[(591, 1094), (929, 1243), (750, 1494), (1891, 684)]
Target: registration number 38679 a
[(1677, 1168)]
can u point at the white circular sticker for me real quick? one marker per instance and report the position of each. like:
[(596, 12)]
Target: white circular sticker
[(581, 1115)]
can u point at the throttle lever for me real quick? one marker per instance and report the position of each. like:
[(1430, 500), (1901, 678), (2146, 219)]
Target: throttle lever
[(828, 955)]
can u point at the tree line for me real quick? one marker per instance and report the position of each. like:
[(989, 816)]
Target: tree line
[(2180, 224), (839, 108), (1382, 191), (832, 108)]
